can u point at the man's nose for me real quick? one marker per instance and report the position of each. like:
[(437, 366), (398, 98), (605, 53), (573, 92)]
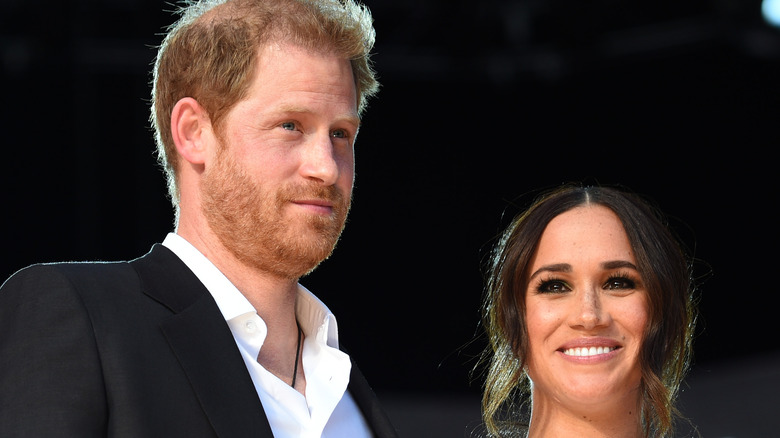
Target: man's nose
[(319, 161)]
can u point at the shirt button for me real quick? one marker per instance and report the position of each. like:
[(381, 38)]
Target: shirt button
[(250, 326)]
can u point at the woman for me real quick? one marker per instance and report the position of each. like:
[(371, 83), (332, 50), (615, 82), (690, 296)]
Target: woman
[(589, 310)]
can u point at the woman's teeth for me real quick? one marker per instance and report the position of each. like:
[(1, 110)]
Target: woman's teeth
[(587, 351)]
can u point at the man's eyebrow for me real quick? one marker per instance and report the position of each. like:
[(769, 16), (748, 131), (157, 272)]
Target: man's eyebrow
[(295, 109), (556, 267)]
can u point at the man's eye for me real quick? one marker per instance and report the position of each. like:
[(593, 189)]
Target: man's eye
[(339, 133), (290, 126)]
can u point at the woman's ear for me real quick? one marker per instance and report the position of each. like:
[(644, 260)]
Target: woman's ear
[(190, 127)]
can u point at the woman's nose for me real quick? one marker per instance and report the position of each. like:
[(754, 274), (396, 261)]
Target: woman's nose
[(588, 312)]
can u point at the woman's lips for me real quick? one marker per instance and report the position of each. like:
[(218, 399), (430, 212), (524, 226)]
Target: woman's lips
[(587, 351), (589, 347)]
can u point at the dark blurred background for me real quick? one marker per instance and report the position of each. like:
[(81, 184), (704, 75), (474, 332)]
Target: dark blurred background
[(483, 104)]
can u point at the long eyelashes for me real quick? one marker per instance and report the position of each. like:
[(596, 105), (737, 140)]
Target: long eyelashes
[(620, 281), (616, 281), (551, 284)]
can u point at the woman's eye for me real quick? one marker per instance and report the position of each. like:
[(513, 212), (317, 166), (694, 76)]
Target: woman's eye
[(619, 283), (552, 286)]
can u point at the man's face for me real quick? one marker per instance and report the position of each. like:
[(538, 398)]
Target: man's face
[(278, 192)]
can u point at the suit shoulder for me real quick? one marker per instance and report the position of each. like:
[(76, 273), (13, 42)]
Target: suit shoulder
[(63, 270), (56, 278)]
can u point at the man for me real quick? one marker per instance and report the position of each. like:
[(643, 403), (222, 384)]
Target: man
[(256, 106)]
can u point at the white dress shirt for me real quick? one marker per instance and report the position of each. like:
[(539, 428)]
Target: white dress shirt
[(327, 410)]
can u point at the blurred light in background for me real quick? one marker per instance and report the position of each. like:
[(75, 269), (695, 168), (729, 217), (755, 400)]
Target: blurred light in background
[(770, 10)]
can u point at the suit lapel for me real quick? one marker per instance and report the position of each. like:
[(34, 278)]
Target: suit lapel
[(204, 346), (368, 403)]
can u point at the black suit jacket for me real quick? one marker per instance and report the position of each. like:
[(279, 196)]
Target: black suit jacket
[(128, 349)]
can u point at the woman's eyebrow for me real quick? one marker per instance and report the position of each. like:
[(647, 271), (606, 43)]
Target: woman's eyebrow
[(557, 267), (615, 264), (565, 267)]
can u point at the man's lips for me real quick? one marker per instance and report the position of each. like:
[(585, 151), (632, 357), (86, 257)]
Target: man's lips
[(319, 202), (318, 205)]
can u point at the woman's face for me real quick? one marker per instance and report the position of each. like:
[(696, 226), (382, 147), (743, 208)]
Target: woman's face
[(586, 312)]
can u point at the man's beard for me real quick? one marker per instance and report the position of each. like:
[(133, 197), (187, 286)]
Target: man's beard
[(249, 220)]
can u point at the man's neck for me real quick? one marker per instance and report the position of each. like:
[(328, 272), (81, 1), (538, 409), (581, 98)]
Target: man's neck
[(273, 298)]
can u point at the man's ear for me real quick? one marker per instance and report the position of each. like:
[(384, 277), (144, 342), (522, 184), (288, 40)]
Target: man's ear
[(191, 130)]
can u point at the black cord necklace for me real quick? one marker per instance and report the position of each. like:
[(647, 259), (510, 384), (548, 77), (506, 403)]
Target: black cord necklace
[(297, 356)]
